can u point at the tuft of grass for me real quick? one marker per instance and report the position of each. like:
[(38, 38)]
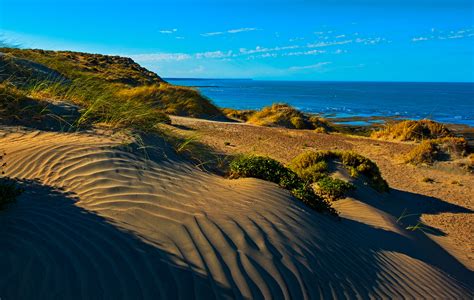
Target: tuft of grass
[(271, 170), (332, 188), (240, 115), (8, 188), (284, 115), (428, 180), (174, 100), (470, 162), (412, 131), (312, 166), (16, 105), (429, 151)]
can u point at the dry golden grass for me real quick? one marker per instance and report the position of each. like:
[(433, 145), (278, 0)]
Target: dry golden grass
[(110, 90), (174, 100), (412, 131), (429, 151), (284, 115), (237, 114)]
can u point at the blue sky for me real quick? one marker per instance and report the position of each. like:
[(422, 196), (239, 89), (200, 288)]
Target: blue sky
[(405, 40)]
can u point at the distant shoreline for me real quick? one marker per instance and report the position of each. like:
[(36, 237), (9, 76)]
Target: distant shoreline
[(322, 81), (350, 103)]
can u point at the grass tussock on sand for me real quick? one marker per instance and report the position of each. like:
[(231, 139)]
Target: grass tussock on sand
[(8, 188), (174, 100), (242, 115), (312, 166), (284, 115), (412, 131), (271, 170), (429, 151)]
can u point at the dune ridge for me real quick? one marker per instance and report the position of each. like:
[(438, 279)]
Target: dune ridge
[(99, 221)]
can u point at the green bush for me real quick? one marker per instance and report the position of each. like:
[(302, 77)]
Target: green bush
[(312, 166), (333, 188), (271, 170), (264, 168)]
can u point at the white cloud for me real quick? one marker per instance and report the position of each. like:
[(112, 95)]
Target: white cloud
[(444, 35), (309, 52), (153, 57), (258, 49), (339, 51), (327, 44), (168, 31), (212, 33), (311, 67), (296, 39), (214, 54), (418, 39), (241, 30), (230, 31)]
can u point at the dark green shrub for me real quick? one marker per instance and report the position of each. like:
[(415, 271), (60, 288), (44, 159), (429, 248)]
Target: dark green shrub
[(264, 168), (312, 166), (333, 188), (8, 188), (271, 170)]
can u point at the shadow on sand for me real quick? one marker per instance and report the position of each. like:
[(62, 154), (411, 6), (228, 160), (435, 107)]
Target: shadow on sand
[(53, 249)]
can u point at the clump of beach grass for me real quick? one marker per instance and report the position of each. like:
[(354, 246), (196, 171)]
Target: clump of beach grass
[(9, 190), (174, 100), (271, 170), (429, 151), (242, 115), (312, 166), (409, 130), (284, 115)]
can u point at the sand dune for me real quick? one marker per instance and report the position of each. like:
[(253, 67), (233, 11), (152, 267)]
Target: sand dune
[(99, 221)]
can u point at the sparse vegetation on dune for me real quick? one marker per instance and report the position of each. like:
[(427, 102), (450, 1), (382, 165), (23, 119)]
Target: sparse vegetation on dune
[(312, 166), (174, 100), (429, 151), (242, 115), (271, 170), (284, 115), (111, 69), (110, 90), (412, 131)]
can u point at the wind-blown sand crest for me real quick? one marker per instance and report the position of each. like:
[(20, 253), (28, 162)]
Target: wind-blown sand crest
[(98, 221)]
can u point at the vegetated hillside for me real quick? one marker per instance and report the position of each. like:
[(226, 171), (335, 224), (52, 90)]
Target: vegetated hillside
[(104, 86), (113, 69)]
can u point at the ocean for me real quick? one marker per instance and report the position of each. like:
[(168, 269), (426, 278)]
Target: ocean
[(443, 102)]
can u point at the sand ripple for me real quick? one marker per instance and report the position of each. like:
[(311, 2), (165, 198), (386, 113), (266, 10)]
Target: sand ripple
[(97, 221)]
